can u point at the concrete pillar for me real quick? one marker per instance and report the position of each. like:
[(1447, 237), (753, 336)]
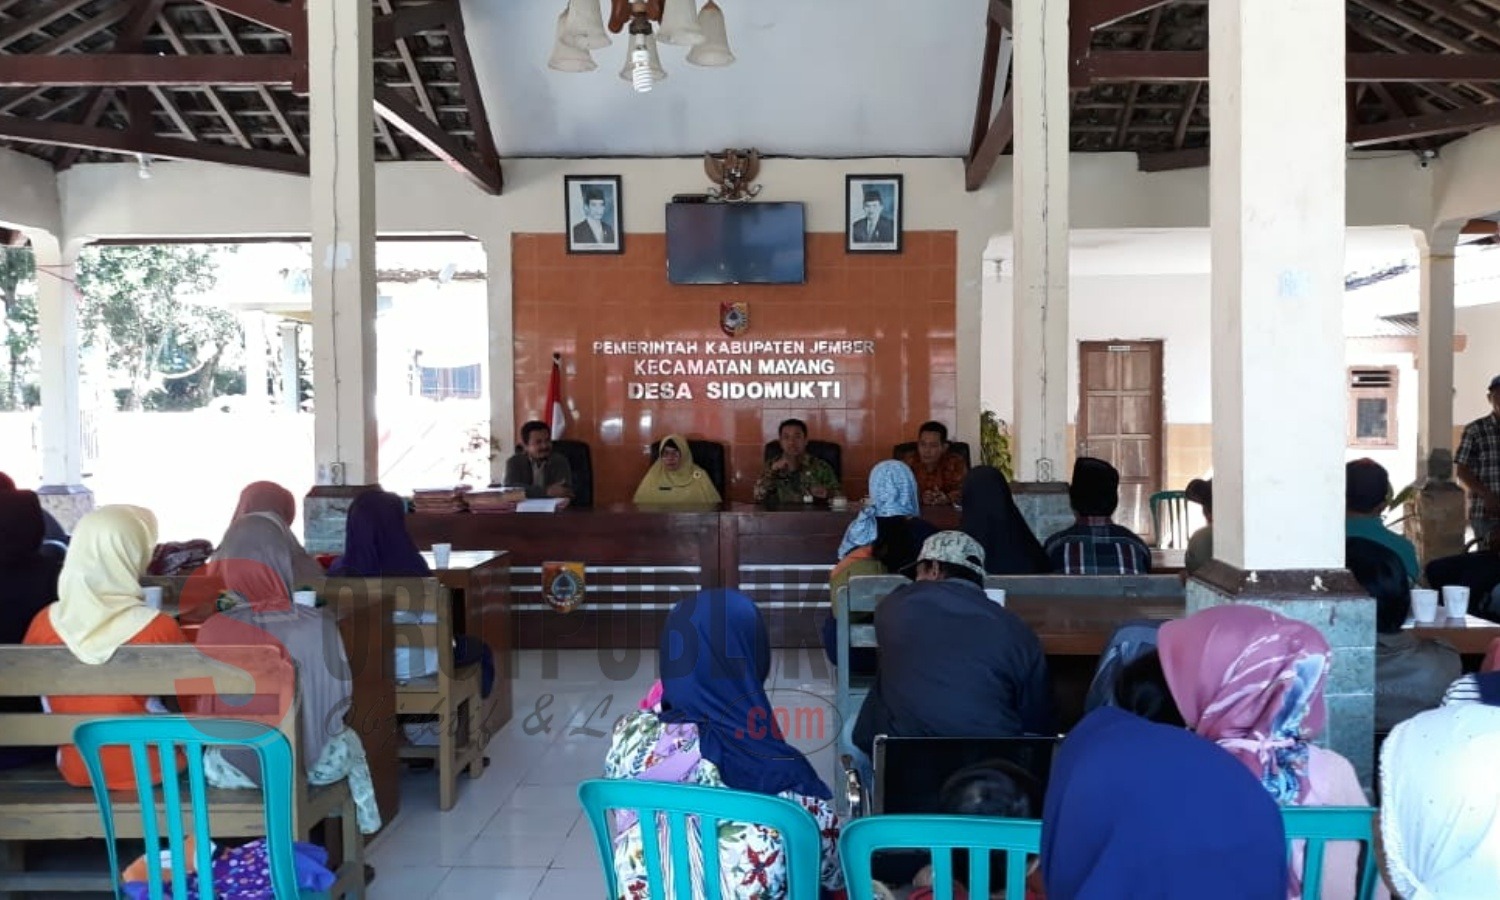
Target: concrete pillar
[(340, 76), (1435, 352), (290, 384), (1040, 217), (253, 324), (343, 232), (62, 492), (1438, 515), (502, 359), (1279, 392)]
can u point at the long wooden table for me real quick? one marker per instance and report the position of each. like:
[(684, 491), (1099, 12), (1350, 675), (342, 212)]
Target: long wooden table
[(641, 561)]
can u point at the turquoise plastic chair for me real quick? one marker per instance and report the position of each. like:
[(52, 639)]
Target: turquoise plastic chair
[(1174, 504), (168, 735), (711, 805), (1320, 824), (863, 838)]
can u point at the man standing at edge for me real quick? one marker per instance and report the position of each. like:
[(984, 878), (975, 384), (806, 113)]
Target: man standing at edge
[(1478, 466)]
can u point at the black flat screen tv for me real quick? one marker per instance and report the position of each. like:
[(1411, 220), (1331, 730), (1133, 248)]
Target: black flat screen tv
[(736, 243)]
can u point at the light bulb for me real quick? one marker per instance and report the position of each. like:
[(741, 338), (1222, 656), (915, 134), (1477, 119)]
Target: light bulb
[(640, 66)]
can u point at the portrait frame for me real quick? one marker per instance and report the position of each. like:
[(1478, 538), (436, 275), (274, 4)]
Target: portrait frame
[(888, 228), (577, 191)]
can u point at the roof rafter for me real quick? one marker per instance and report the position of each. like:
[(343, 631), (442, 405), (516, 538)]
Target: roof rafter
[(1396, 130), (282, 17), (1168, 65), (64, 134), (142, 69), (132, 36), (395, 109), (993, 128)]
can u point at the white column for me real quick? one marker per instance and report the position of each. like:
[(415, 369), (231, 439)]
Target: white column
[(502, 359), (57, 325), (1040, 216), (340, 70), (1435, 353), (253, 324), (1277, 210), (290, 386)]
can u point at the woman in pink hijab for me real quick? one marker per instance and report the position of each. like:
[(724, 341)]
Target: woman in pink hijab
[(1252, 681)]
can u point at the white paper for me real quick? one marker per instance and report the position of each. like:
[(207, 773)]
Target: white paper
[(539, 505)]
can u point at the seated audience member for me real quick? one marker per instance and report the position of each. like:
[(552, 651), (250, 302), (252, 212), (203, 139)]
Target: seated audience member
[(1439, 796), (28, 583), (714, 657), (1251, 681), (1366, 487), (1094, 545), (269, 499), (1411, 673), (995, 789), (794, 474), (991, 517), (254, 565), (1200, 548), (674, 479), (1478, 571), (54, 536), (536, 468), (885, 537), (377, 545), (376, 542), (100, 609), (952, 662), (940, 471), (1136, 809)]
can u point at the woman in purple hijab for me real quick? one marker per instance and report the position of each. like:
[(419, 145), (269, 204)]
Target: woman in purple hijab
[(376, 542)]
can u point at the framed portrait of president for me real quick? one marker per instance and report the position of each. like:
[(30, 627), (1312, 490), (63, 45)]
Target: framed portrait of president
[(592, 204), (872, 213)]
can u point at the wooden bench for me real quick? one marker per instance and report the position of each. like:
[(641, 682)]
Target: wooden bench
[(37, 805), (365, 626), (452, 693), (1073, 615)]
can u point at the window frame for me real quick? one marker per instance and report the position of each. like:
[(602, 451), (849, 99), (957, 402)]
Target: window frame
[(1390, 393)]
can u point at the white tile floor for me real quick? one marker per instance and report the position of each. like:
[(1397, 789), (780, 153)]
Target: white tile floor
[(518, 832)]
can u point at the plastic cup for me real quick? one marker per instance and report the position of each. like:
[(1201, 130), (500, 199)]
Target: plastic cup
[(838, 503), (152, 596), (1424, 602), (1456, 601), (440, 554), (996, 594)]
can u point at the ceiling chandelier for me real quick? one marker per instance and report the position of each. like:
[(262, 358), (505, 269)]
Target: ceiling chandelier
[(581, 29)]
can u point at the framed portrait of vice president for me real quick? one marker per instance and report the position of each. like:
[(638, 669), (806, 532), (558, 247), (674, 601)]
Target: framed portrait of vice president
[(873, 205), (594, 218)]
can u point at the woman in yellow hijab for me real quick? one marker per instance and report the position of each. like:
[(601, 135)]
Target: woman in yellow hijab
[(673, 479), (100, 608)]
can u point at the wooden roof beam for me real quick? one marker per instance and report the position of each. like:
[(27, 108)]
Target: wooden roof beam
[(395, 109), (110, 140), (409, 20), (1172, 160), (1415, 127), (142, 69), (45, 14), (1096, 14), (976, 171), (473, 97), (1166, 65), (1000, 13), (130, 39), (1002, 129), (287, 18)]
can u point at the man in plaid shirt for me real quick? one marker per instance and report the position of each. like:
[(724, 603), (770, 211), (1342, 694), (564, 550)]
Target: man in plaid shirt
[(1095, 545), (1478, 467)]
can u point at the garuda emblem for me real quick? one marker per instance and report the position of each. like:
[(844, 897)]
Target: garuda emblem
[(734, 318)]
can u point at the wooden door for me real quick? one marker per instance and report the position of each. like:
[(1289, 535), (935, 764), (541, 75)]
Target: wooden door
[(1120, 420)]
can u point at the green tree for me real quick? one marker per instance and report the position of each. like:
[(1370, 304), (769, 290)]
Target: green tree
[(17, 267), (137, 298)]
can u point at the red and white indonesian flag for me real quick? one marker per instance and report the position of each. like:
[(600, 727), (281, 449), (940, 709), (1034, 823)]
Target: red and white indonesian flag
[(554, 412)]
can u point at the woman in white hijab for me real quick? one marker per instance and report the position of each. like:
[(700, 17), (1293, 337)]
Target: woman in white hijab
[(1440, 804)]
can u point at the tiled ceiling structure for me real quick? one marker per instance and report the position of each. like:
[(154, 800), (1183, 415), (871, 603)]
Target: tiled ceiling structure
[(225, 80)]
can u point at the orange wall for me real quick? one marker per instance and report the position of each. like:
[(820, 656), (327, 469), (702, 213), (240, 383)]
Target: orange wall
[(903, 302)]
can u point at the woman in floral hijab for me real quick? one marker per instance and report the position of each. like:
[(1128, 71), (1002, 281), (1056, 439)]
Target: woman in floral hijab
[(1251, 681)]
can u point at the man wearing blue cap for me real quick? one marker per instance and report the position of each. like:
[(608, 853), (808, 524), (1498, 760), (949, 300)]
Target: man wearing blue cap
[(1478, 467)]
